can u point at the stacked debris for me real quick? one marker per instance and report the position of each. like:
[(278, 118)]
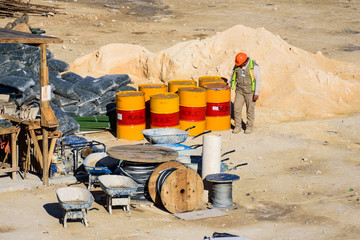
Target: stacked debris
[(12, 8), (72, 95)]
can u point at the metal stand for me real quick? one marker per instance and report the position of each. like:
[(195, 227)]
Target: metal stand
[(93, 178), (118, 201), (75, 214), (77, 147)]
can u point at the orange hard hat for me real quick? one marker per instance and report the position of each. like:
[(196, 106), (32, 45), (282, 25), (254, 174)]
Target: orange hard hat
[(240, 58)]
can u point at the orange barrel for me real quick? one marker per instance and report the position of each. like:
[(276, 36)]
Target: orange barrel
[(174, 85), (152, 88), (210, 79), (130, 112), (164, 110), (218, 102), (192, 109)]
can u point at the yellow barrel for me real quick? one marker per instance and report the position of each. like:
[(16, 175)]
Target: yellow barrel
[(130, 114), (192, 109), (218, 106), (164, 110), (217, 92), (210, 79), (150, 89), (174, 85)]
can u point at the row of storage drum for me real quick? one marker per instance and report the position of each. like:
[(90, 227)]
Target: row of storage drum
[(182, 104)]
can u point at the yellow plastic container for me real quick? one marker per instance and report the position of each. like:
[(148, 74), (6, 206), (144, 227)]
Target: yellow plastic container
[(174, 85), (192, 97), (131, 119), (217, 92), (218, 123), (150, 89), (210, 79)]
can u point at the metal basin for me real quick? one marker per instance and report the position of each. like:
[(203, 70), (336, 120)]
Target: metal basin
[(165, 135), (116, 185), (74, 198)]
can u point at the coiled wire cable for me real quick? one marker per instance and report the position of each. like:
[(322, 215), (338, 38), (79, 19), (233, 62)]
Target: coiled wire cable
[(140, 173), (221, 195), (162, 177)]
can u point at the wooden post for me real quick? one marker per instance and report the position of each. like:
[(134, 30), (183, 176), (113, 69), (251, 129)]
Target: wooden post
[(45, 157), (44, 104), (13, 154), (44, 76)]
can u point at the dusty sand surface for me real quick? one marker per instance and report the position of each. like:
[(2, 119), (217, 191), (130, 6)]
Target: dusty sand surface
[(301, 181)]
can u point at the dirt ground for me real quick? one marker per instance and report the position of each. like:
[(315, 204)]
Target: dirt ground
[(301, 181)]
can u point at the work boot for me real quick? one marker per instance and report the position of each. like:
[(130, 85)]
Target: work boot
[(248, 130), (236, 130)]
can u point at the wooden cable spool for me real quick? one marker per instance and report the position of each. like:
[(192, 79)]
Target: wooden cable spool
[(180, 191)]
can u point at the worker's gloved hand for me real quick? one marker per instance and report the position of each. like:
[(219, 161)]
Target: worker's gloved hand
[(255, 97)]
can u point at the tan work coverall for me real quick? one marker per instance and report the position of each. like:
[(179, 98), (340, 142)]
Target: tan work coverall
[(244, 94)]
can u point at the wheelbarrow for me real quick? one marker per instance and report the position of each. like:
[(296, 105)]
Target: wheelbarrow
[(75, 203), (97, 164), (118, 190), (167, 135)]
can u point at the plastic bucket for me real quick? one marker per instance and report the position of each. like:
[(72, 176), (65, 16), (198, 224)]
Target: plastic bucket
[(164, 110), (174, 85), (218, 106), (192, 109), (130, 112), (210, 79)]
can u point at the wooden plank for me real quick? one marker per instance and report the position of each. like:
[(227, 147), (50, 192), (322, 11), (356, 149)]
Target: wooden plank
[(33, 124), (11, 36), (208, 213), (142, 153), (182, 191), (38, 154), (8, 130), (51, 151), (6, 170)]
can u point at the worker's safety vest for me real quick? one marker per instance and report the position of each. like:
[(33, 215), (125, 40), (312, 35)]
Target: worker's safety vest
[(246, 83)]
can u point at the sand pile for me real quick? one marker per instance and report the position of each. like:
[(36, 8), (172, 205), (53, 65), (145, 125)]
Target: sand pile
[(296, 84)]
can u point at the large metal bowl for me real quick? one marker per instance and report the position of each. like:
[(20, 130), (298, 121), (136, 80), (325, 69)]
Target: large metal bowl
[(165, 135)]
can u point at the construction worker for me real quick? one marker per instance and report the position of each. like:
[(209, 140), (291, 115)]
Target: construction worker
[(246, 81)]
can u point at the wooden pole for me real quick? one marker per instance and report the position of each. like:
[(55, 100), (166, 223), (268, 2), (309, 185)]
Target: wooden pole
[(27, 154), (44, 103), (45, 149), (44, 77)]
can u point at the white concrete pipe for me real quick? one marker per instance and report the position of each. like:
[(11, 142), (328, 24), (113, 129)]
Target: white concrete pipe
[(211, 155)]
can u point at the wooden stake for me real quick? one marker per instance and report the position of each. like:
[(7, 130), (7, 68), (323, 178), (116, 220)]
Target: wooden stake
[(45, 157)]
